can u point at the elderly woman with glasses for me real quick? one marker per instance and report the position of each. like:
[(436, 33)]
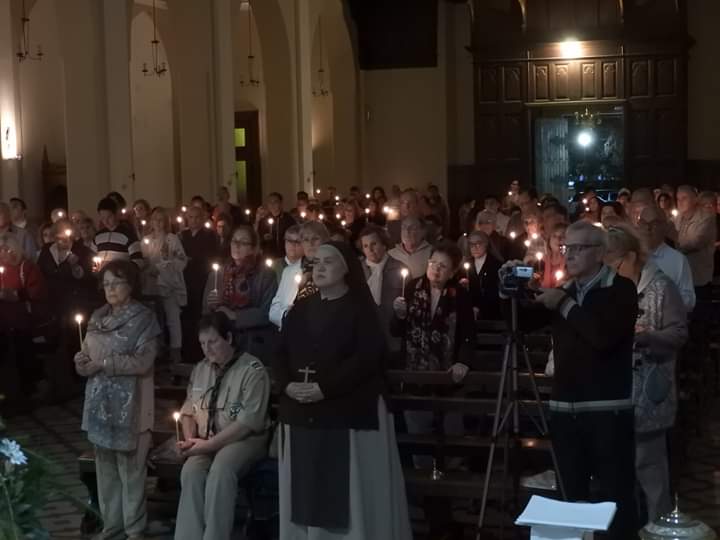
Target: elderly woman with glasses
[(435, 320), (660, 331), (117, 356), (243, 290)]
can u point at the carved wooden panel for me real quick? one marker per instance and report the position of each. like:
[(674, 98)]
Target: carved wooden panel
[(542, 82), (665, 131), (488, 136), (609, 80), (513, 137), (665, 75), (641, 134), (512, 80), (489, 89), (562, 81), (639, 78), (587, 80)]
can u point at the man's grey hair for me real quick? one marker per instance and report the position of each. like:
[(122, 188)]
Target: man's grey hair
[(595, 235), (410, 220), (317, 228)]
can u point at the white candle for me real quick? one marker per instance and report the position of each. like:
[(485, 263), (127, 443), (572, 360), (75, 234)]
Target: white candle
[(2, 275), (247, 211), (466, 266), (215, 268), (79, 320), (404, 273), (176, 417)]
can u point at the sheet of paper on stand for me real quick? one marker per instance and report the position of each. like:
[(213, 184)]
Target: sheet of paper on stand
[(556, 520)]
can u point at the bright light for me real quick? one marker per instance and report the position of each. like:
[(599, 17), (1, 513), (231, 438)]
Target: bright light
[(298, 278), (183, 208), (585, 139), (79, 318), (367, 195), (386, 209), (535, 236), (176, 416), (598, 225), (321, 217), (179, 219), (9, 139), (466, 266), (527, 243), (143, 222), (208, 224), (539, 255), (317, 191), (337, 197), (216, 267), (268, 263), (570, 48), (271, 221), (513, 235), (68, 232), (404, 272), (343, 223), (303, 214), (146, 241), (559, 275), (674, 212), (367, 210), (247, 211)]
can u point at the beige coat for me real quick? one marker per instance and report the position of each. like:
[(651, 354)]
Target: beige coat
[(696, 239)]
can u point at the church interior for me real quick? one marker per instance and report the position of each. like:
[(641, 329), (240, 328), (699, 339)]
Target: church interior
[(246, 102)]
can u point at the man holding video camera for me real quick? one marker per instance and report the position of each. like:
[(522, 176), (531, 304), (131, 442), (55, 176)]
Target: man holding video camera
[(592, 317)]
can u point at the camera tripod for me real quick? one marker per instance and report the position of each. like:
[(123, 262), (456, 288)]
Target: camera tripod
[(507, 412)]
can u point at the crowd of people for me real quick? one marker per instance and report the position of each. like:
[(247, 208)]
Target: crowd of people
[(318, 302)]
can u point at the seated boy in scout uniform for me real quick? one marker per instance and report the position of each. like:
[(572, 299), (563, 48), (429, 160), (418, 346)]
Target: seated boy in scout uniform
[(225, 428)]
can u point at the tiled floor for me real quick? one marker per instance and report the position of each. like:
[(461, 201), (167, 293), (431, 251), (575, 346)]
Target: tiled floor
[(55, 433)]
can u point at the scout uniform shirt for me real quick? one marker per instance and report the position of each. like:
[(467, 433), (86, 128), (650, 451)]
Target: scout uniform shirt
[(243, 397)]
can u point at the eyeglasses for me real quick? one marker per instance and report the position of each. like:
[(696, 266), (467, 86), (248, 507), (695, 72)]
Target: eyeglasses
[(567, 249), (294, 242), (477, 244), (114, 284), (437, 264), (241, 243)]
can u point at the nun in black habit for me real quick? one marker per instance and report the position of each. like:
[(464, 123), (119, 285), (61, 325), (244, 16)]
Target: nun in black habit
[(340, 472)]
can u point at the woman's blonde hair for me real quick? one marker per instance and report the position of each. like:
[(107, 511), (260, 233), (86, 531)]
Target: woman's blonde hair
[(623, 239), (159, 210)]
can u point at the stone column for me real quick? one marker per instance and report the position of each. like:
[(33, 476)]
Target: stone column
[(10, 124), (224, 99), (117, 15), (86, 127), (303, 93)]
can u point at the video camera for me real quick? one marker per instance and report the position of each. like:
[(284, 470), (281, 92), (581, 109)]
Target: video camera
[(514, 281)]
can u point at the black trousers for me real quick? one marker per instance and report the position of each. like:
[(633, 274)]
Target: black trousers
[(599, 445)]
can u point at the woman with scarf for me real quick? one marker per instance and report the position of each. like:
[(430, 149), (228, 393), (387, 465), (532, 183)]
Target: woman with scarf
[(117, 357), (660, 332), (243, 290), (340, 473), (435, 320), (225, 427), (163, 275)]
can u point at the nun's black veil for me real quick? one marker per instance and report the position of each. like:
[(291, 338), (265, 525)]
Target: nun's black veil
[(355, 277)]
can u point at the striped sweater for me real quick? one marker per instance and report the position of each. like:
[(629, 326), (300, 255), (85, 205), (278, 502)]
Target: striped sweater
[(120, 243)]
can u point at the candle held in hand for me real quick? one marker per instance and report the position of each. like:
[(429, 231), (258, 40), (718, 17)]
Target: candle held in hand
[(176, 417), (466, 266), (215, 268), (79, 321), (404, 273)]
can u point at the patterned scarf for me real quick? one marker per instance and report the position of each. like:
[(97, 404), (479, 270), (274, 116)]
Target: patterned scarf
[(430, 340), (308, 288), (235, 285)]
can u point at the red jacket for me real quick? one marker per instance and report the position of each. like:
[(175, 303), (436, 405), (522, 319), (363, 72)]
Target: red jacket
[(27, 279)]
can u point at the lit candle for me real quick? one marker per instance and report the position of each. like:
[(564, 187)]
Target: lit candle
[(79, 320), (466, 266), (176, 417), (587, 208), (321, 217), (386, 209), (509, 193), (122, 211), (404, 273), (271, 221), (68, 232), (183, 209), (527, 243), (367, 195), (513, 235), (216, 268), (179, 219), (584, 201), (343, 223), (97, 261), (302, 215), (559, 275), (298, 278), (674, 212), (317, 191), (367, 210), (534, 236), (208, 224), (268, 263), (337, 216), (146, 241), (598, 225), (143, 222), (61, 214), (539, 256), (337, 198), (2, 275)]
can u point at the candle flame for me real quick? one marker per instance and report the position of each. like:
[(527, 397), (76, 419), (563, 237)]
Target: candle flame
[(146, 241), (534, 236), (404, 272), (674, 212), (367, 210), (208, 224), (271, 221), (559, 275), (215, 267), (123, 211), (68, 232), (2, 269), (367, 195), (343, 223), (337, 197), (513, 235), (527, 243), (337, 216), (79, 318), (386, 209), (97, 260), (539, 255), (184, 209), (317, 191), (61, 213), (179, 219), (466, 266), (298, 278), (247, 211), (321, 217), (509, 193), (176, 416), (143, 222), (598, 225), (303, 214), (269, 263)]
